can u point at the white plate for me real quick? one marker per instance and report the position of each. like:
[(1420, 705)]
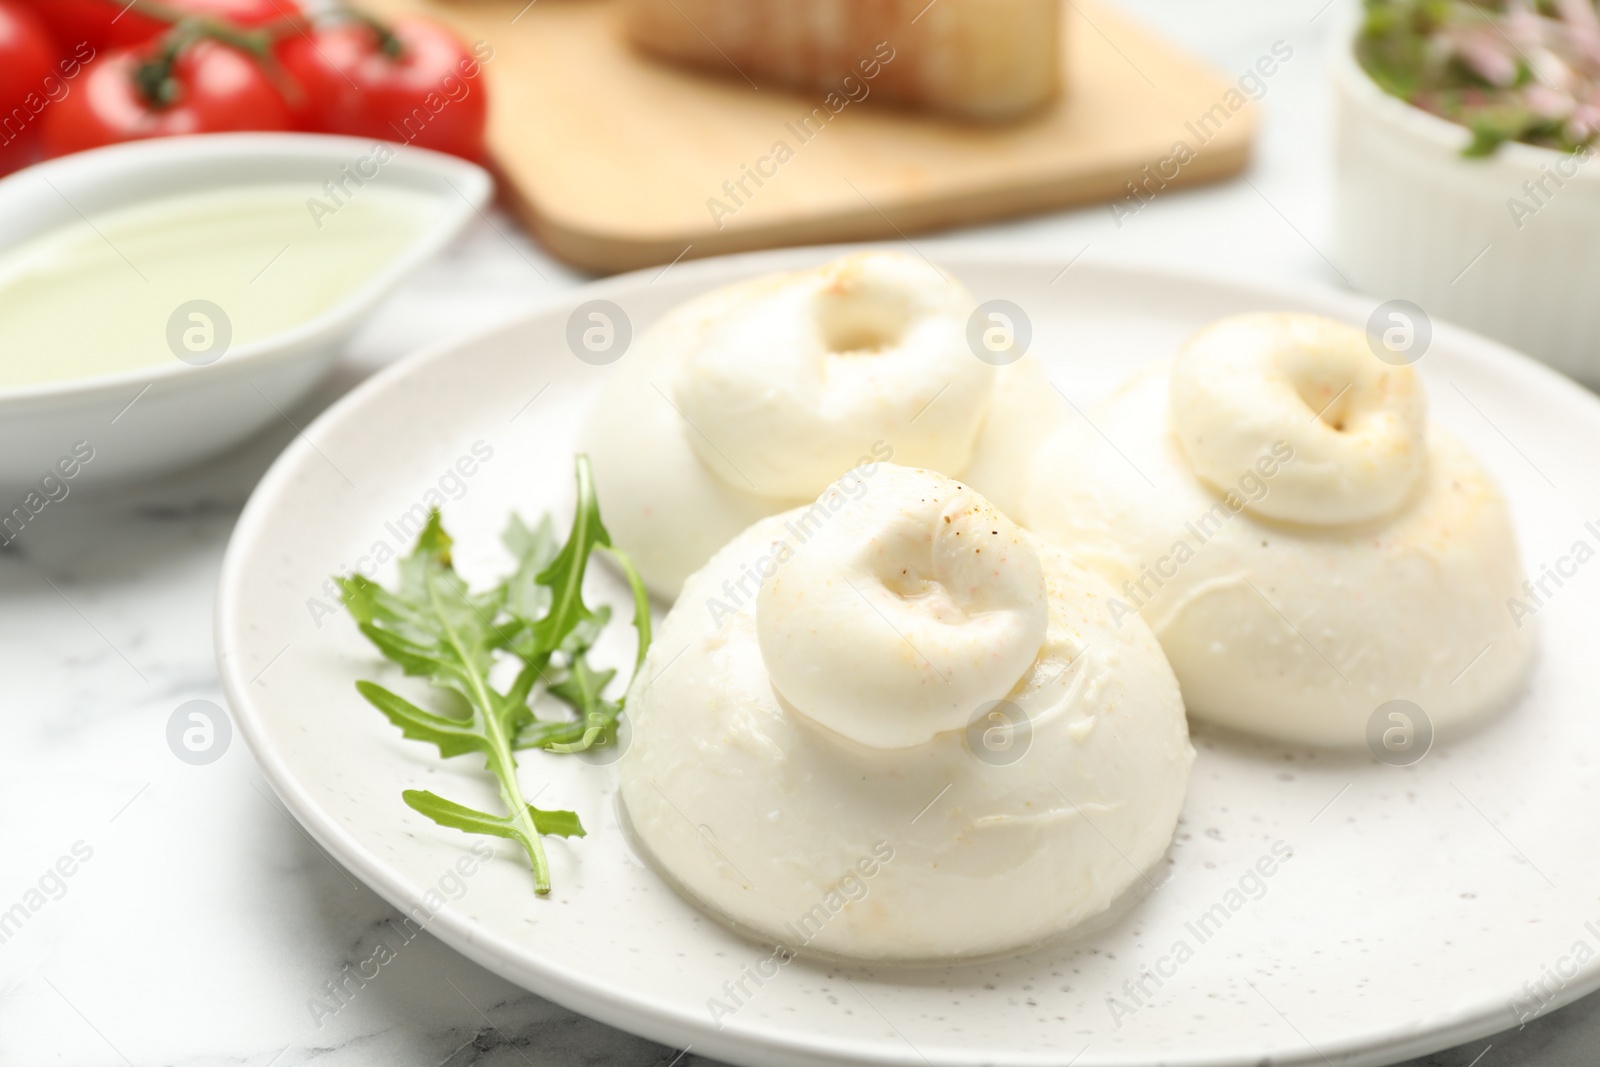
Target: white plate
[(1416, 905), (152, 418)]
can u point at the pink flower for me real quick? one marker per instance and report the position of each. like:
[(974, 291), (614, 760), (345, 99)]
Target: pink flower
[(1489, 56), (1548, 103)]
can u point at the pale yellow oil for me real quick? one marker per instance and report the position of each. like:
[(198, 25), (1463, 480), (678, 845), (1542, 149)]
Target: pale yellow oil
[(97, 296)]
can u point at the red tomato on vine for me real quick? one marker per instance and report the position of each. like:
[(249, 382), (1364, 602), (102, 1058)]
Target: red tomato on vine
[(108, 24), (200, 86), (27, 65), (410, 81)]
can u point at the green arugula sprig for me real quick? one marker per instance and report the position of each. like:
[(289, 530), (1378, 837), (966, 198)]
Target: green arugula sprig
[(434, 627)]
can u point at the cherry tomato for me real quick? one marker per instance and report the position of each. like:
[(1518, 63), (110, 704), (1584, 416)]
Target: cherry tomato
[(107, 24), (410, 81), (211, 88), (28, 80)]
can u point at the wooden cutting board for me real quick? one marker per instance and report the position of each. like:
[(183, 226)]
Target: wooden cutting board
[(617, 161)]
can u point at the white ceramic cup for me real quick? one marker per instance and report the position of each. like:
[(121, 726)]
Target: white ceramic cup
[(1508, 245)]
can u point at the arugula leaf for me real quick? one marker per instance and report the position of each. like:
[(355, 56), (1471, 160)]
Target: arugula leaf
[(570, 629), (432, 626), (564, 576), (454, 737), (460, 817), (534, 550)]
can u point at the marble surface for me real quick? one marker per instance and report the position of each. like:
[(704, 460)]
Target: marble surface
[(203, 919)]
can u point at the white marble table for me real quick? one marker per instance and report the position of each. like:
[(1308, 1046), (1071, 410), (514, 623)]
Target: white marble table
[(203, 919)]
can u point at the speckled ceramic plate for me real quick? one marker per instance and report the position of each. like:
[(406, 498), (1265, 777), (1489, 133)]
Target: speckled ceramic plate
[(1422, 906)]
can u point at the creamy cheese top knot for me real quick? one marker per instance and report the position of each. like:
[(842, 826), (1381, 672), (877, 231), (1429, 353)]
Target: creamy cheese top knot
[(798, 379), (909, 609), (1357, 426)]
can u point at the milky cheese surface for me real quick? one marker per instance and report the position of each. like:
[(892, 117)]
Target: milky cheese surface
[(754, 398), (1293, 630), (918, 737)]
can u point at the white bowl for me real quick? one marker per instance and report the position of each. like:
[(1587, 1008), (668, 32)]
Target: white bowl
[(1415, 220), (143, 421)]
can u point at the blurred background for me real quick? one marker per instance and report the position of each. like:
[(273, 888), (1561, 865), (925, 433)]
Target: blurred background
[(206, 916)]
